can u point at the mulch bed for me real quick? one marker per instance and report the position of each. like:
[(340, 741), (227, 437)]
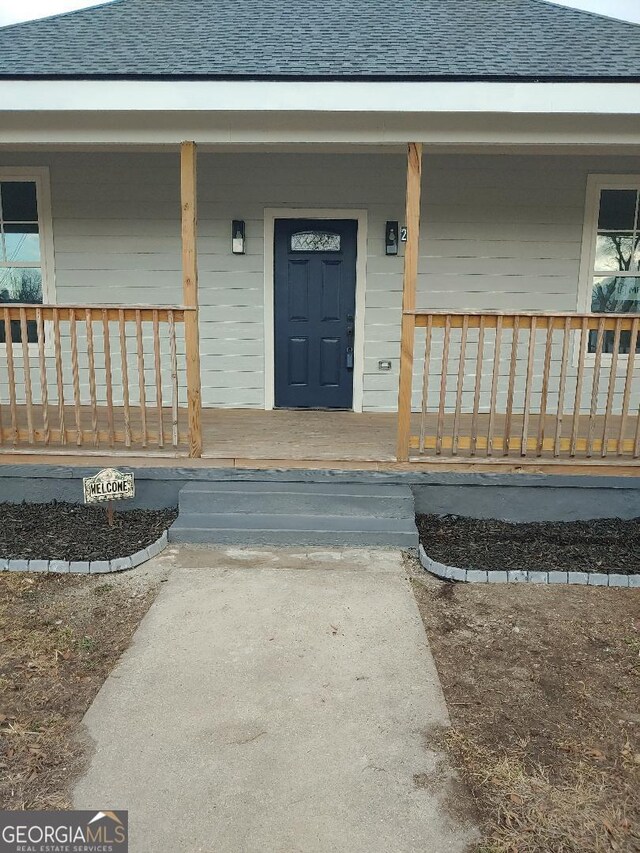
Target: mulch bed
[(65, 531), (599, 545)]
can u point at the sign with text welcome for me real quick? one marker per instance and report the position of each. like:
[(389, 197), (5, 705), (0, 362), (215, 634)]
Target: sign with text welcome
[(108, 485)]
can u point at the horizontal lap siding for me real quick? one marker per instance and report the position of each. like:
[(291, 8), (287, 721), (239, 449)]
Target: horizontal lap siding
[(498, 233)]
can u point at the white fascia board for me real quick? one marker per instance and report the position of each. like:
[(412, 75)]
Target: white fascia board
[(298, 96)]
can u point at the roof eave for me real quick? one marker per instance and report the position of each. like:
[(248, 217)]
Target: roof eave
[(331, 78)]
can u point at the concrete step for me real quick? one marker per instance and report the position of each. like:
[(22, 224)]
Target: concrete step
[(281, 529), (274, 498), (295, 513)]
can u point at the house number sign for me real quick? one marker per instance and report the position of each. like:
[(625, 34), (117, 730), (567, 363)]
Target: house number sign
[(108, 485)]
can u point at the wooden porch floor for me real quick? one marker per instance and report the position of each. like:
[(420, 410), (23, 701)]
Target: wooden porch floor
[(252, 438), (299, 435)]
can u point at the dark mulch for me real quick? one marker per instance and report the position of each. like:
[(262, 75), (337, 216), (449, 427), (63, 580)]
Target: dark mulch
[(65, 531), (599, 545)]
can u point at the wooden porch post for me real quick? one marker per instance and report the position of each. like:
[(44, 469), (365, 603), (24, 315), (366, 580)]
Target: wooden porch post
[(414, 176), (188, 192)]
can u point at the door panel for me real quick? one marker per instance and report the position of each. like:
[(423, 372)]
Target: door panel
[(314, 302), (330, 362)]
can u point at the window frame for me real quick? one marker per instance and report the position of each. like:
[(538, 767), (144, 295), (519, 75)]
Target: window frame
[(41, 176), (595, 184)]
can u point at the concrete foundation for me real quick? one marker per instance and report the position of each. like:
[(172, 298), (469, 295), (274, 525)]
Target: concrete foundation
[(511, 497)]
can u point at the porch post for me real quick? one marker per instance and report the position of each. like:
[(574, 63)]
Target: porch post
[(412, 218), (188, 194)]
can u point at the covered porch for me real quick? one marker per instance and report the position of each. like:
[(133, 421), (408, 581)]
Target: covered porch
[(537, 390)]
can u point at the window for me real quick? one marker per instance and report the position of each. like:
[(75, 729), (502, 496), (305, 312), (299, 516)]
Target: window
[(315, 241), (24, 243), (613, 272)]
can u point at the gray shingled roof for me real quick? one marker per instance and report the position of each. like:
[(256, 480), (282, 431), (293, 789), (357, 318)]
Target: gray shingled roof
[(315, 39)]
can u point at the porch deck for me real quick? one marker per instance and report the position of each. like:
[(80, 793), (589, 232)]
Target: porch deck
[(253, 438)]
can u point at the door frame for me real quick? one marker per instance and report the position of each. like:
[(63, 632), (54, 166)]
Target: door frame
[(270, 215)]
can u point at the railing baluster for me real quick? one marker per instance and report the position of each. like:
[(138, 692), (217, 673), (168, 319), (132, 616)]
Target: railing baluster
[(73, 334), (544, 393), (460, 384), (528, 386), (92, 377), (124, 369), (108, 376), (174, 379), (26, 372), (44, 391), (158, 371), (141, 379), (626, 396), (443, 383), (57, 354), (13, 403), (595, 387), (512, 379), (495, 378), (562, 384), (611, 390), (426, 368), (575, 426), (473, 443)]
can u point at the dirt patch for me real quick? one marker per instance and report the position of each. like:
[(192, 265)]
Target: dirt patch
[(65, 531), (542, 685), (60, 636), (599, 545)]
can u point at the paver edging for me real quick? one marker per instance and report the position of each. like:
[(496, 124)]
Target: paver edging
[(452, 573), (87, 567)]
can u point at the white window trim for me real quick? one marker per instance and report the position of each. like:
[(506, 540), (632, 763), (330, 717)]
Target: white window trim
[(40, 175), (595, 184), (270, 216)]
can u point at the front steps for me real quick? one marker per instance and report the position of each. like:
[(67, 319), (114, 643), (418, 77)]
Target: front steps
[(295, 513)]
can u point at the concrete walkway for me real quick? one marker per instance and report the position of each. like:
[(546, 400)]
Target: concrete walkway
[(276, 701)]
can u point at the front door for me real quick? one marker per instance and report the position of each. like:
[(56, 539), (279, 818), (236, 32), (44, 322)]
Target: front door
[(315, 298)]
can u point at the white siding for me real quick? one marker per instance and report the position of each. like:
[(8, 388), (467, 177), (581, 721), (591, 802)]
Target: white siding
[(498, 232)]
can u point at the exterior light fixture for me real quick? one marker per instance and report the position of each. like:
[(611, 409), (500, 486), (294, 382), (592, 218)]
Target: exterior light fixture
[(237, 237), (391, 238)]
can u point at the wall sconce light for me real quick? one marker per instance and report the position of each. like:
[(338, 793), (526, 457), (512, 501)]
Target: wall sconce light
[(237, 237), (391, 238)]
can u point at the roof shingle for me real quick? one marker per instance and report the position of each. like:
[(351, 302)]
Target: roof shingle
[(316, 39)]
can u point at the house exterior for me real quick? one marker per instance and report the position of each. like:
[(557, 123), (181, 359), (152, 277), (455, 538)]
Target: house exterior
[(411, 236)]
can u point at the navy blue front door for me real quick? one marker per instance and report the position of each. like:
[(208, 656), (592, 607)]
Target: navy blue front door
[(315, 296)]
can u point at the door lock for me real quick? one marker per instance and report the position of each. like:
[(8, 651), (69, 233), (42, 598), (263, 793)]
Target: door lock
[(349, 358)]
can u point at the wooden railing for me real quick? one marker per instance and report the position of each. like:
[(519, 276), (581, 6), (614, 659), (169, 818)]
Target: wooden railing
[(85, 378), (522, 385)]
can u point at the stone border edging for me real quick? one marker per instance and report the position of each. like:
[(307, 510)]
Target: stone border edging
[(87, 567), (452, 573)]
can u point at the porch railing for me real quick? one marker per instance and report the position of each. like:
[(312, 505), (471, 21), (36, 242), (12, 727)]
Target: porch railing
[(86, 378), (523, 385)]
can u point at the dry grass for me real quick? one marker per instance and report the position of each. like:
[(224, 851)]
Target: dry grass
[(60, 635), (543, 691)]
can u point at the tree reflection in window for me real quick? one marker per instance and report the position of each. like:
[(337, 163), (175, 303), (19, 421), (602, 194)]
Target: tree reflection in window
[(616, 272), (20, 256)]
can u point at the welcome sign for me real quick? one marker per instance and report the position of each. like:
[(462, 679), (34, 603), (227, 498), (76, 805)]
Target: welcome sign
[(108, 485)]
